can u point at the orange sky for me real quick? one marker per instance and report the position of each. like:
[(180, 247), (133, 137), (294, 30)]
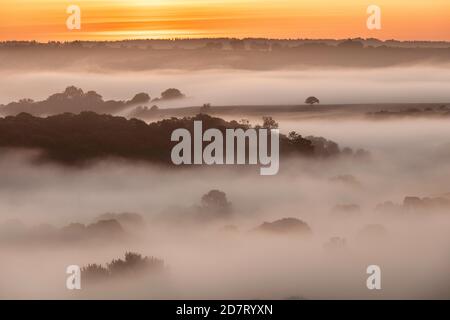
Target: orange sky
[(44, 20)]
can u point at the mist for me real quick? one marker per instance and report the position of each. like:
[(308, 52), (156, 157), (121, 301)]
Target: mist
[(208, 259), (418, 83)]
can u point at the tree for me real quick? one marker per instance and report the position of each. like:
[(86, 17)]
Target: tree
[(140, 98), (94, 272), (93, 97), (171, 93), (245, 123), (79, 139), (311, 100), (269, 123), (134, 264), (324, 147), (216, 201), (285, 226), (72, 92), (294, 137)]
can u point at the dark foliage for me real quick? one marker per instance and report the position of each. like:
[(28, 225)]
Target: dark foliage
[(285, 226), (351, 44), (170, 94), (323, 146), (77, 139), (75, 100), (437, 112), (198, 54), (140, 98), (214, 206), (216, 201), (71, 100), (102, 230), (94, 272), (311, 100), (128, 219), (134, 264)]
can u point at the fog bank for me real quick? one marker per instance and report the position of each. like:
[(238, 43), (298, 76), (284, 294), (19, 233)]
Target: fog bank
[(222, 87)]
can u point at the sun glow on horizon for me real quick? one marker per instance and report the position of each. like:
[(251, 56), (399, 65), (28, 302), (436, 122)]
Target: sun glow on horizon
[(44, 20)]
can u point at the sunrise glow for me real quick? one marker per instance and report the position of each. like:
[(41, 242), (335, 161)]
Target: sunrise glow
[(44, 20)]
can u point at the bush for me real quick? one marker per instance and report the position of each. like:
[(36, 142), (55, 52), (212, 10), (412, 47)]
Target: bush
[(133, 264)]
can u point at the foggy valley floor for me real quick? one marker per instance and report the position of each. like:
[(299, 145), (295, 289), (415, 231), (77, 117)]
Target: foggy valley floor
[(212, 253), (85, 176)]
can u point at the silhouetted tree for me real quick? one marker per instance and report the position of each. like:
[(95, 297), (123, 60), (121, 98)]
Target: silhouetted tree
[(311, 100), (216, 200), (83, 138), (134, 264), (269, 123), (324, 147), (294, 137), (171, 93), (94, 272), (140, 98), (126, 218), (285, 226), (73, 100)]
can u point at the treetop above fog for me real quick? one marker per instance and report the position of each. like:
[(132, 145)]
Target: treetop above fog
[(76, 139), (75, 100)]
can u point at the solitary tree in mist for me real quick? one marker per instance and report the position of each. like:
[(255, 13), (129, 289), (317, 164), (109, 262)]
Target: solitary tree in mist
[(311, 100), (172, 93), (285, 226), (216, 201)]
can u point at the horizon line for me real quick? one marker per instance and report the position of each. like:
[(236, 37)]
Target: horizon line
[(226, 38)]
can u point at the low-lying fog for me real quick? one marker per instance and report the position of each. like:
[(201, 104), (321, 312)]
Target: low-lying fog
[(207, 259), (238, 87)]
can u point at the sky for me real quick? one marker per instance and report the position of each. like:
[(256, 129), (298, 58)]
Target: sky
[(45, 20)]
